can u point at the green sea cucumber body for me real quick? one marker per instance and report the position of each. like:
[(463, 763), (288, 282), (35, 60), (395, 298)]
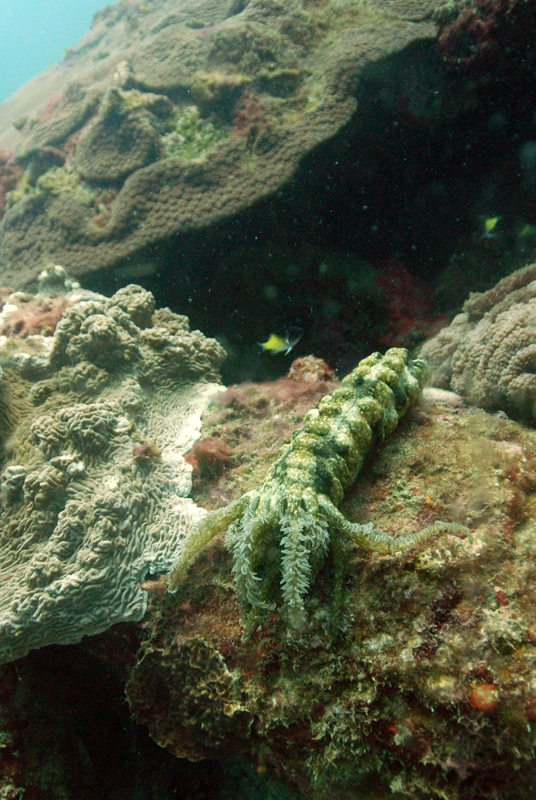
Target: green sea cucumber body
[(288, 525)]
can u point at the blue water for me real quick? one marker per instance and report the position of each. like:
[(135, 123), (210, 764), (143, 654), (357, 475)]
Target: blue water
[(34, 34)]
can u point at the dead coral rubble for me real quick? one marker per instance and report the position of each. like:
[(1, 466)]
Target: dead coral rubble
[(83, 519), (429, 692), (270, 82)]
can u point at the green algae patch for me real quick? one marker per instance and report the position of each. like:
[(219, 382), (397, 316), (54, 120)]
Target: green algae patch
[(191, 136), (56, 181)]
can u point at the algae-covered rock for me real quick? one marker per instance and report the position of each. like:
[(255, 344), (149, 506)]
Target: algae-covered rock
[(54, 182), (270, 82), (66, 732), (429, 692), (94, 421)]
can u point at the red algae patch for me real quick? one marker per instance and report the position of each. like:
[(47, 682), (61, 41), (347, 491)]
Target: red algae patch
[(26, 314), (483, 696)]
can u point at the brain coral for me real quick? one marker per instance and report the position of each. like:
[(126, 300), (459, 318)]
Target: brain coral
[(93, 484), (488, 353), (276, 78)]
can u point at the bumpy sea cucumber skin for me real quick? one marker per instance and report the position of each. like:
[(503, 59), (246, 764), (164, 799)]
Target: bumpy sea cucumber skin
[(296, 505)]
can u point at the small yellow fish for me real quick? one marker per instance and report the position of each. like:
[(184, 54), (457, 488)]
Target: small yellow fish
[(489, 226), (282, 344), (143, 8), (527, 230)]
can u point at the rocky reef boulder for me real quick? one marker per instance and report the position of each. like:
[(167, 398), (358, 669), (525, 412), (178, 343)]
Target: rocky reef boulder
[(429, 691)]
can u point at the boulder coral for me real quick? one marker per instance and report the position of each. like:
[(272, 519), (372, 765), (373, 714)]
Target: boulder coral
[(273, 79), (83, 517), (123, 138)]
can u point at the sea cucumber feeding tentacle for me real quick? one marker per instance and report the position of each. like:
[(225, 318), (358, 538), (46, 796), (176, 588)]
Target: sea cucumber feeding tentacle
[(285, 528)]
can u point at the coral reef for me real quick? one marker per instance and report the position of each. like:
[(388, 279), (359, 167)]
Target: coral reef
[(84, 518), (123, 138), (9, 175), (488, 353), (429, 691), (516, 285), (273, 80), (295, 508)]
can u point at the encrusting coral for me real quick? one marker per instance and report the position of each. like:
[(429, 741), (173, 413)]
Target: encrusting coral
[(295, 508), (93, 484), (124, 137), (270, 81)]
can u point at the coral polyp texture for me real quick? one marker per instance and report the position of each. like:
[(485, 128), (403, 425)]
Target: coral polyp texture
[(93, 484), (189, 116), (429, 691), (488, 353), (288, 525), (10, 173)]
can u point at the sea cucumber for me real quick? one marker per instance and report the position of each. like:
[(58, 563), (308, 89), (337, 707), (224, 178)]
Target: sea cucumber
[(288, 525)]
